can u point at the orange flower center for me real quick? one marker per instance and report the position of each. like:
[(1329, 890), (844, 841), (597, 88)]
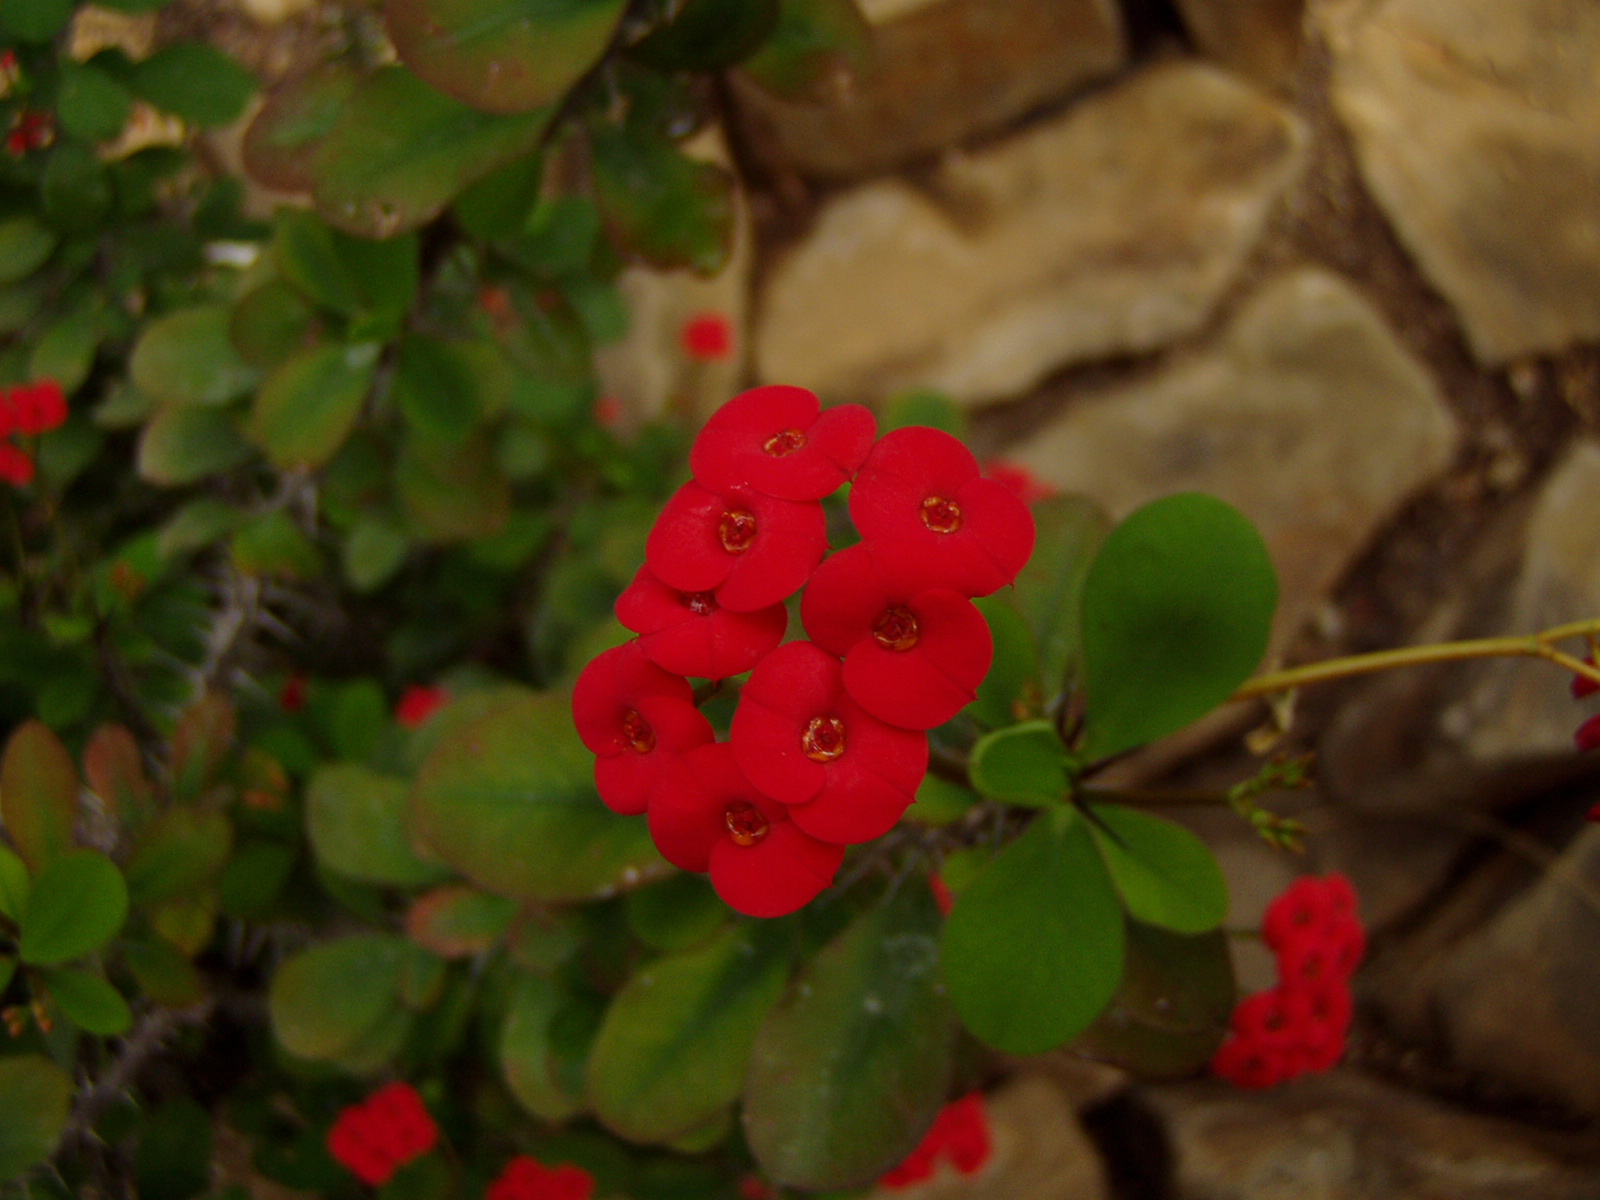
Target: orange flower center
[(780, 445), (737, 531), (823, 740), (941, 515), (746, 823), (897, 629), (701, 604), (638, 732)]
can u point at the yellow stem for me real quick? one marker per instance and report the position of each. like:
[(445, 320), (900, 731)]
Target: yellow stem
[(1538, 645)]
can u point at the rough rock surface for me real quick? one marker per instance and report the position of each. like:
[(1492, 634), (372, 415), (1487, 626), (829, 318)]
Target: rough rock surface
[(1258, 38), (1109, 230), (1474, 122), (1307, 415), (942, 72), (1342, 1137)]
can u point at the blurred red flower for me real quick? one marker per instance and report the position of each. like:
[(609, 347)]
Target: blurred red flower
[(707, 337), (419, 702), (1018, 480), (16, 467), (778, 441), (526, 1178), (38, 407), (380, 1135), (960, 1136)]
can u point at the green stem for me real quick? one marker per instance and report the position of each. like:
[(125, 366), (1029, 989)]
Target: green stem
[(1538, 645)]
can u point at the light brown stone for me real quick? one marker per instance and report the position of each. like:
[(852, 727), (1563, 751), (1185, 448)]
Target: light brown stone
[(1260, 39), (1475, 125), (942, 72), (1112, 229), (1307, 415)]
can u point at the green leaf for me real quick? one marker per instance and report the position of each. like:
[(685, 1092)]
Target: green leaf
[(435, 390), (708, 35), (15, 884), (91, 105), (324, 1002), (35, 20), (38, 794), (497, 206), (75, 194), (940, 801), (201, 743), (527, 825), (196, 525), (253, 881), (282, 142), (459, 921), (673, 1048), (1022, 764), (1049, 589), (353, 276), (1166, 874), (88, 1001), (164, 973), (79, 903), (1011, 688), (271, 322), (195, 81), (851, 1069), (309, 405), (1177, 609), (502, 56), (818, 46), (1033, 949), (659, 204), (182, 445), (181, 851), (677, 913), (529, 1051), (175, 1151), (65, 351), (273, 544), (374, 550), (25, 246), (358, 824), (35, 1101), (399, 152), (188, 357), (453, 492), (1172, 1008)]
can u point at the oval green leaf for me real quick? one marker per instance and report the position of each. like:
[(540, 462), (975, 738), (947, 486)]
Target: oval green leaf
[(182, 850), (1049, 589), (1177, 608), (35, 1099), (325, 1002), (852, 1067), (187, 357), (659, 204), (358, 821), (708, 35), (281, 144), (78, 904), (1167, 876), (672, 1051), (15, 884), (502, 56), (25, 245), (1033, 948), (195, 81), (309, 405), (459, 921), (528, 1053), (38, 793), (88, 1001), (182, 444), (527, 823), (1021, 764)]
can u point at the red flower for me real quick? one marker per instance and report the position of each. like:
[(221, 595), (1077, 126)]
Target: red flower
[(1250, 1064), (960, 1135), (293, 696), (706, 816), (1018, 480), (1313, 929), (31, 129), (802, 740), (751, 550), (691, 634), (914, 655), (919, 495), (419, 702), (15, 466), (38, 407), (778, 441), (635, 718), (380, 1135), (526, 1178), (707, 337), (1587, 737), (1582, 685), (942, 895)]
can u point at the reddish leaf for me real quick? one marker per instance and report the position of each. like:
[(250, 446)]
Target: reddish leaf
[(38, 794), (114, 770), (458, 921)]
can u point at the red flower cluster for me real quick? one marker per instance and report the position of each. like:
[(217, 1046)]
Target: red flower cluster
[(527, 1178), (29, 409), (959, 1136), (31, 129), (419, 702), (707, 337), (1300, 1025), (377, 1137), (829, 742)]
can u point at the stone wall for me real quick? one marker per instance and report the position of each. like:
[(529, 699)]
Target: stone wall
[(1339, 263)]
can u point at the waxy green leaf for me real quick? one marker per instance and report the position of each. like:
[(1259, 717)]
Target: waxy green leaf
[(708, 35), (309, 405), (1022, 764), (659, 204), (182, 444), (1049, 589), (1033, 949), (1167, 876), (182, 850), (88, 1001), (188, 357), (818, 48), (530, 1049), (502, 56), (15, 884), (281, 145), (459, 921), (38, 794), (25, 246), (1177, 608), (358, 821), (339, 998), (35, 1100), (196, 81), (78, 904), (854, 1064), (672, 1052)]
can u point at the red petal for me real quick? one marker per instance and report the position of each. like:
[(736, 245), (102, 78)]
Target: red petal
[(845, 596), (732, 450), (615, 681), (792, 685), (782, 872), (931, 682), (684, 548), (718, 645), (791, 538), (15, 466), (868, 788), (687, 811)]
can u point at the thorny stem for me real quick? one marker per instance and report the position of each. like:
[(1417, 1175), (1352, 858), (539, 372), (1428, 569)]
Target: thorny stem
[(1538, 645), (145, 1040)]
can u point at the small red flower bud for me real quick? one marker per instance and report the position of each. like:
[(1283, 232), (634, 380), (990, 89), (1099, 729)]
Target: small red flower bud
[(16, 468), (295, 689), (419, 702), (707, 337), (38, 407)]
